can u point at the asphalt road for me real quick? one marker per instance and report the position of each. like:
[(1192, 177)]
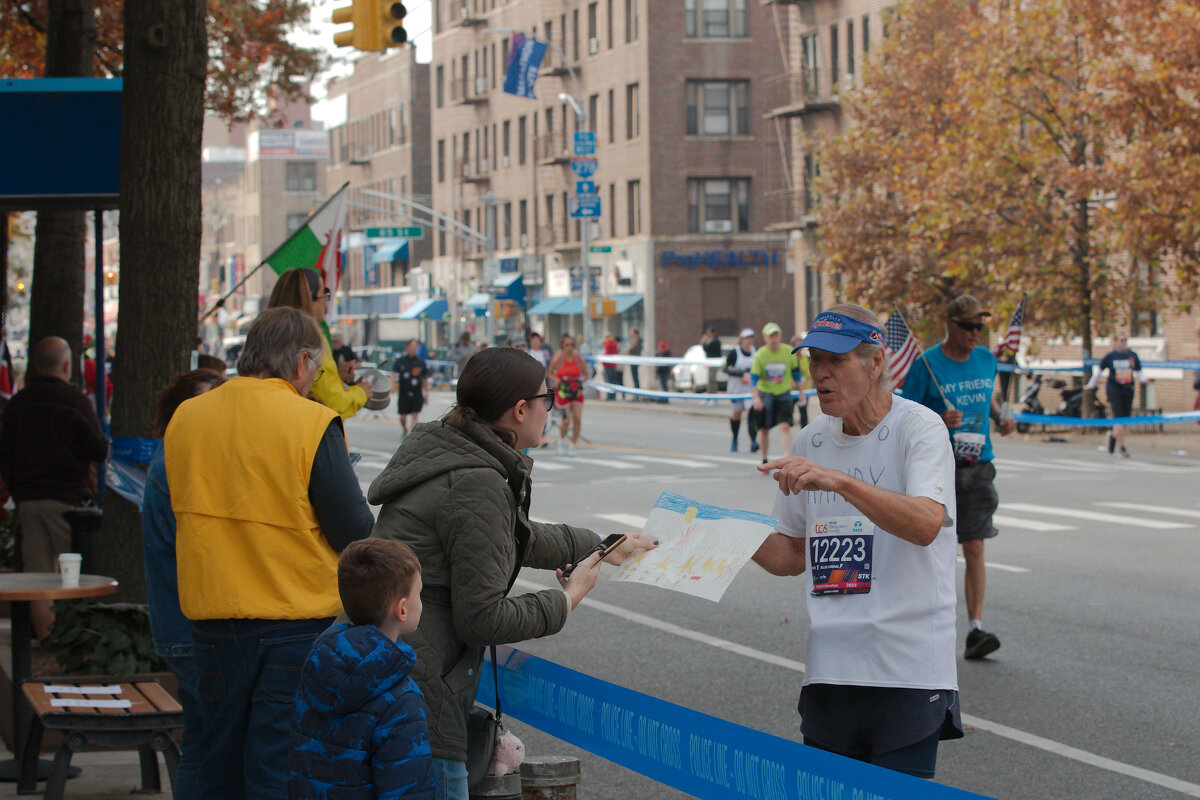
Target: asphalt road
[(1091, 588)]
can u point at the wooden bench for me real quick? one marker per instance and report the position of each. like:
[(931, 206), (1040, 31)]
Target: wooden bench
[(146, 723)]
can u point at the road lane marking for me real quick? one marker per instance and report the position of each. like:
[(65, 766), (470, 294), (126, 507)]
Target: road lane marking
[(605, 462), (1178, 512), (1060, 463), (1029, 524), (979, 723), (994, 565), (632, 520), (370, 462), (675, 462), (1096, 516), (548, 465)]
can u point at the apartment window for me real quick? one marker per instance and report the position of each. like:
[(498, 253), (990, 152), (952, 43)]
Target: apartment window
[(808, 56), (301, 176), (295, 222), (506, 128), (593, 23), (866, 26), (718, 108), (594, 113), (631, 21), (439, 85), (608, 18), (566, 216), (834, 59), (523, 219), (441, 160), (612, 210), (507, 225), (521, 140), (575, 32), (441, 242), (612, 116), (633, 119), (718, 205), (812, 171), (633, 198), (850, 48), (714, 18)]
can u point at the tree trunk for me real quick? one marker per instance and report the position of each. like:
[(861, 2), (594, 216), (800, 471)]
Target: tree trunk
[(56, 293), (161, 125), (1081, 256)]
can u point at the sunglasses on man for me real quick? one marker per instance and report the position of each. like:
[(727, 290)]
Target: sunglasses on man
[(969, 326)]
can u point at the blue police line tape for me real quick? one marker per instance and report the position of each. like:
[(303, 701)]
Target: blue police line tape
[(1104, 422), (134, 449), (704, 756), (601, 386)]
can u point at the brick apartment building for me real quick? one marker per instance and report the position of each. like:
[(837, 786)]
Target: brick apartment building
[(670, 90), (381, 144)]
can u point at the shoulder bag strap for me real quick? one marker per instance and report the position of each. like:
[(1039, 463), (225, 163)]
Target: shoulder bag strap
[(495, 678)]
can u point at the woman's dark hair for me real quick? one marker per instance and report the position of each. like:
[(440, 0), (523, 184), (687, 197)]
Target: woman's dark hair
[(182, 387), (491, 383)]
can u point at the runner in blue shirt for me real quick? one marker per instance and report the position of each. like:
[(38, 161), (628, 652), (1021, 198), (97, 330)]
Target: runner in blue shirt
[(963, 396)]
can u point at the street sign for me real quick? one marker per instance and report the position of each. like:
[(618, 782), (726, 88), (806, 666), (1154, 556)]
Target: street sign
[(600, 248), (585, 206), (396, 233), (585, 187), (577, 285), (585, 143), (594, 271), (584, 167)]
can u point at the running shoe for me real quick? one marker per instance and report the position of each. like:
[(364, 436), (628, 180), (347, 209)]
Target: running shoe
[(980, 643), (733, 447), (754, 445), (570, 448), (562, 447), (1111, 441), (1124, 453)]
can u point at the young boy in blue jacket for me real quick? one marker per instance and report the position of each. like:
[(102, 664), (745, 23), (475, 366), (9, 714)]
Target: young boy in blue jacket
[(359, 728)]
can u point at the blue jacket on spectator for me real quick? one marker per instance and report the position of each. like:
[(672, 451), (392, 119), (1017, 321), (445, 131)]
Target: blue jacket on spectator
[(359, 727)]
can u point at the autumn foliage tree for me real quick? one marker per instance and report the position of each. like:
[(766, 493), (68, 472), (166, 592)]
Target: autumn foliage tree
[(1005, 148)]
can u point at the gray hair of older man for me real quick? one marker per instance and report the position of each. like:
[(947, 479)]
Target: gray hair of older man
[(275, 341), (866, 351)]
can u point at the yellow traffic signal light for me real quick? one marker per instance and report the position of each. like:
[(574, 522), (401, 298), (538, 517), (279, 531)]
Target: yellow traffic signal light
[(20, 286), (375, 25), (110, 277)]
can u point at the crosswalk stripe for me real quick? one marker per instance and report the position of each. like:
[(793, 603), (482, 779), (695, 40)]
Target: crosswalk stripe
[(1055, 463), (632, 520), (370, 462), (1177, 512), (1097, 516), (679, 462), (1029, 524), (612, 463), (547, 465), (994, 565)]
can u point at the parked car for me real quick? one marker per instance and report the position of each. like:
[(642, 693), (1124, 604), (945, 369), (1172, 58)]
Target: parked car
[(694, 377)]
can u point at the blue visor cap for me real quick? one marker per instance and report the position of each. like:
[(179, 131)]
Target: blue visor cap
[(837, 333)]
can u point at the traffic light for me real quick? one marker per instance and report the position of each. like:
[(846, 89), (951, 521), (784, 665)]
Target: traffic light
[(110, 278), (375, 25)]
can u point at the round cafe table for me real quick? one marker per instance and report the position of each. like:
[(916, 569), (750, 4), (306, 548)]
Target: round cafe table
[(19, 589)]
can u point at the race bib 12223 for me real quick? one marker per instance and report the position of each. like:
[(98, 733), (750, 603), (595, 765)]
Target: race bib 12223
[(839, 555)]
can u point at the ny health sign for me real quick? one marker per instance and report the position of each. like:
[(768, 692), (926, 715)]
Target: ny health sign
[(523, 63)]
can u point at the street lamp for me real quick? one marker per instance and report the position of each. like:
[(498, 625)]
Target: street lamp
[(584, 223)]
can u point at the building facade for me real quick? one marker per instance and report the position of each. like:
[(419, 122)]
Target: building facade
[(381, 147), (668, 89)]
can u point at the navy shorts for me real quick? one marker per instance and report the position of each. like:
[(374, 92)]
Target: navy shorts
[(895, 728), (1121, 402)]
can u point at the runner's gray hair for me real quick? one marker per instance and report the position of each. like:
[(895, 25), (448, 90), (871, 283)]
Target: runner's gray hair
[(866, 351)]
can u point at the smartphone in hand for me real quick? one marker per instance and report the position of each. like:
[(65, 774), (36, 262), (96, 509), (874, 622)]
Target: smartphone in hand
[(606, 546)]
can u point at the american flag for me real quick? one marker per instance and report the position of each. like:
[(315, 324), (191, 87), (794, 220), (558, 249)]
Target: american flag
[(1012, 340), (902, 347)]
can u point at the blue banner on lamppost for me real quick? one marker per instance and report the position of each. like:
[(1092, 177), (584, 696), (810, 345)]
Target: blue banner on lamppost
[(523, 63)]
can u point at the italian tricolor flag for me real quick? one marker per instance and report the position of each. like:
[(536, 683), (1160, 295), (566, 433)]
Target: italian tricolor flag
[(318, 244)]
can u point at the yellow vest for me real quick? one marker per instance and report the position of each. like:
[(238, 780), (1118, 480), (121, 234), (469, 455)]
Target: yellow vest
[(248, 545)]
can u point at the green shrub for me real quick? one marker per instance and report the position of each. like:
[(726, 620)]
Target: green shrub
[(103, 638)]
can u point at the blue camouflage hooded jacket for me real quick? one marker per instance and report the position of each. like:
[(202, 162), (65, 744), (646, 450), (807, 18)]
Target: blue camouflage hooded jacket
[(359, 728)]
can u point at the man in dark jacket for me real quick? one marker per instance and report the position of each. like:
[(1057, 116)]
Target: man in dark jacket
[(359, 728), (49, 440)]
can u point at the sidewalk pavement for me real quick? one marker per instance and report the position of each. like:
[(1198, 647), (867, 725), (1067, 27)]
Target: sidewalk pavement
[(106, 774)]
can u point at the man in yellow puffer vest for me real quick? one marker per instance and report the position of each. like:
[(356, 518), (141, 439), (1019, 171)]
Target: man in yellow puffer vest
[(264, 498)]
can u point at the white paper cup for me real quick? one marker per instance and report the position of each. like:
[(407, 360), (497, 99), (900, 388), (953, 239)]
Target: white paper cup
[(68, 565)]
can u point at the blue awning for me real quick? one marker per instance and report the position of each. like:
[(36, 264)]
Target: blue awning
[(479, 303), (548, 305), (514, 288), (626, 301), (572, 306), (387, 253), (434, 309)]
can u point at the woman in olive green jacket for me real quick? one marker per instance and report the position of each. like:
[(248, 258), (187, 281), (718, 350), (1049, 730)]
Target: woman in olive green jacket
[(457, 492)]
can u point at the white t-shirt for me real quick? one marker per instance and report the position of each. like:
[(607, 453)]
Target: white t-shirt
[(901, 633)]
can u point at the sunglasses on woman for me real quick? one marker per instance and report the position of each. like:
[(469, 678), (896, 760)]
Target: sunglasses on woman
[(547, 396), (969, 326)]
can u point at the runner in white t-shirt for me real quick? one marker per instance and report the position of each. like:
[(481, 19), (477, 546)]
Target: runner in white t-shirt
[(865, 509)]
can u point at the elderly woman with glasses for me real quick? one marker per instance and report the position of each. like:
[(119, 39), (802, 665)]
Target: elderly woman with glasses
[(302, 289), (457, 492)]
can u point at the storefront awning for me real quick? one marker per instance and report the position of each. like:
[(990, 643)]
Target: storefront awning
[(626, 301), (390, 251), (573, 305), (514, 288), (548, 305), (434, 309), (478, 303)]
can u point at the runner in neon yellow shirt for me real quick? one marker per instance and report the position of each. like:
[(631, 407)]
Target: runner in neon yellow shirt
[(773, 377)]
